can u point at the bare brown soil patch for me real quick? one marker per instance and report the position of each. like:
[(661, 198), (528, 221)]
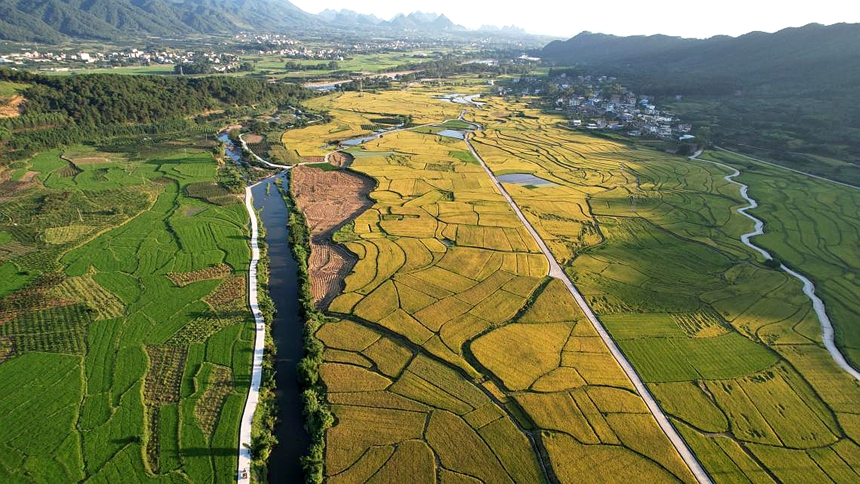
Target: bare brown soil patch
[(253, 139), (340, 159), (28, 177), (313, 159), (10, 188), (329, 199), (11, 107)]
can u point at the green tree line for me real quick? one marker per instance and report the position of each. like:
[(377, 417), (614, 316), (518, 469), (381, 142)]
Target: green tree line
[(69, 109)]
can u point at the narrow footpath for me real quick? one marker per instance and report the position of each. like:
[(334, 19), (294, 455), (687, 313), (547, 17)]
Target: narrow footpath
[(827, 334), (556, 271)]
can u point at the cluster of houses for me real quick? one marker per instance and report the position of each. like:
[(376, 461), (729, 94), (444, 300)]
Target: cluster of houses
[(64, 61), (627, 113), (273, 44), (621, 110), (599, 102)]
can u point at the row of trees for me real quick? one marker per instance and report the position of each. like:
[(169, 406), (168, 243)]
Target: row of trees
[(206, 66), (322, 66)]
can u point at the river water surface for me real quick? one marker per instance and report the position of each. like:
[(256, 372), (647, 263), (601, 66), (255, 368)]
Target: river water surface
[(287, 328)]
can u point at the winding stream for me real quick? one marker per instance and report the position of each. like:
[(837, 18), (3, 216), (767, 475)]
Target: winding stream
[(827, 334)]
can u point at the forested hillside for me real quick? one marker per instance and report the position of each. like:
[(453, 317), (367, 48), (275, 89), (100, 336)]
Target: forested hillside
[(60, 110), (51, 21)]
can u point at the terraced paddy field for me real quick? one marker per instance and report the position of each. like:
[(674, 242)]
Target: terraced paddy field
[(451, 356), (729, 346), (126, 346)]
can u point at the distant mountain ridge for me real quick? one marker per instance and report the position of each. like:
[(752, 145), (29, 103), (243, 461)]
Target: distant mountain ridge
[(786, 96), (814, 55), (415, 21), (53, 21)]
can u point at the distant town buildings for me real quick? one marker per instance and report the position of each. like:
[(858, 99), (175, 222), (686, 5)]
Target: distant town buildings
[(600, 102)]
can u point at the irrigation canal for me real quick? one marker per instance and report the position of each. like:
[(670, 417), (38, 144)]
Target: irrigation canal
[(287, 326), (286, 329)]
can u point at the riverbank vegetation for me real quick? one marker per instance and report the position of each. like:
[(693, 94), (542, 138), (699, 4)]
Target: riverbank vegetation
[(318, 417)]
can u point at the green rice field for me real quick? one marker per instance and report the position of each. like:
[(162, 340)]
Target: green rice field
[(111, 371)]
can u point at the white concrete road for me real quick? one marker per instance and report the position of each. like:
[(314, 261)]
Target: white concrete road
[(244, 467), (556, 271), (827, 335)]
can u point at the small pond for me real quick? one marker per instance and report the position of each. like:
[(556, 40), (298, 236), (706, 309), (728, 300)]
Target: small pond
[(526, 179), (450, 133)]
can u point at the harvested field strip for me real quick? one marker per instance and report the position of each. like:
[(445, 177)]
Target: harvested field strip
[(167, 363), (230, 289), (208, 407), (85, 290)]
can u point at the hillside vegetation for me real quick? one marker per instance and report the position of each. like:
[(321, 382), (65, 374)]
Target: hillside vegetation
[(57, 20), (784, 95), (60, 110)]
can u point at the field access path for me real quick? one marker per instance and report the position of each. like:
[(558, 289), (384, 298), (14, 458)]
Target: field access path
[(556, 271), (781, 167), (827, 334), (244, 464)]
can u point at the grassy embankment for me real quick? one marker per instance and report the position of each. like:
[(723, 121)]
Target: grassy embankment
[(449, 291), (729, 346), (126, 337)]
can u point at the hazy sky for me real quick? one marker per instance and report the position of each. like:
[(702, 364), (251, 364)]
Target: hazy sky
[(566, 18)]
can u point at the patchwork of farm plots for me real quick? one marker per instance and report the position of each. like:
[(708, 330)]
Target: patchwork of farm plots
[(359, 114), (813, 226), (454, 356), (730, 347), (125, 354)]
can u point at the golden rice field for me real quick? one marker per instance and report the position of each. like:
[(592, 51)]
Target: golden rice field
[(453, 356), (729, 347), (354, 112)]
